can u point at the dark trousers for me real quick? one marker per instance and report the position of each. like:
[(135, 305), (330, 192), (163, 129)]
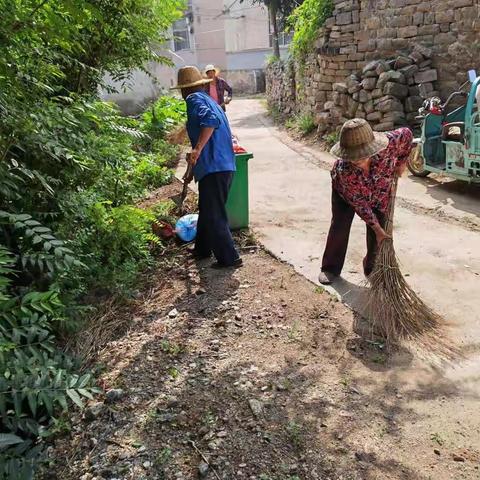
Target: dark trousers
[(337, 241), (213, 232)]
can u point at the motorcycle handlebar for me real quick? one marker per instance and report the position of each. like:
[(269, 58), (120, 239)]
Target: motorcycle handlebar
[(452, 96)]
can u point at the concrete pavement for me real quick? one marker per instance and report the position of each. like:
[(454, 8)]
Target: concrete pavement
[(436, 229)]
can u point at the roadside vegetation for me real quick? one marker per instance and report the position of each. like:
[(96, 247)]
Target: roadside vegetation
[(305, 22), (71, 171), (303, 123)]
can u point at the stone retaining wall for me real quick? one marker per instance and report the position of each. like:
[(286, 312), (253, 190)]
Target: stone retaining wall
[(364, 30), (245, 81)]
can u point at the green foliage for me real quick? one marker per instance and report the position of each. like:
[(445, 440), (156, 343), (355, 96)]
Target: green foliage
[(305, 21), (303, 123), (275, 113), (332, 138), (271, 59), (163, 115), (116, 243), (75, 42), (36, 379), (306, 123), (71, 168), (295, 433)]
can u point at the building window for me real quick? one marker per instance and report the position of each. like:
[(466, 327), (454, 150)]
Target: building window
[(284, 38), (181, 35)]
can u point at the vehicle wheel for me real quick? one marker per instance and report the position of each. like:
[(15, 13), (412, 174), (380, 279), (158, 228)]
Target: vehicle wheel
[(415, 163)]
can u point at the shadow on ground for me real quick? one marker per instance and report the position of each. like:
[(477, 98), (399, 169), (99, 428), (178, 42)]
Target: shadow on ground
[(259, 376)]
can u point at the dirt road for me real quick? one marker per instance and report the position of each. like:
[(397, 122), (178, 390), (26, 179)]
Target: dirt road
[(255, 374), (436, 232)]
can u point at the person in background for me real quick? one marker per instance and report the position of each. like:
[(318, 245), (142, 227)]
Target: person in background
[(213, 165), (218, 87), (362, 179)]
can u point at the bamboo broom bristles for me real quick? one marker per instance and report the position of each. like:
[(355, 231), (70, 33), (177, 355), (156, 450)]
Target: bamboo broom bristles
[(394, 310)]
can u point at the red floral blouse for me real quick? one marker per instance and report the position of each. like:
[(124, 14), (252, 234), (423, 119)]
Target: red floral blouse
[(367, 192)]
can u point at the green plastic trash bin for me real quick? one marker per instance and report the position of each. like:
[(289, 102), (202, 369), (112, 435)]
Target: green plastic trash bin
[(237, 203)]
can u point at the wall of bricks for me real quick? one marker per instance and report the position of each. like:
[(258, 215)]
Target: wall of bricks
[(364, 30)]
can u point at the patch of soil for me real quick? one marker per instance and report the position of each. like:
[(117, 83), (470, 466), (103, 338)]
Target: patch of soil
[(173, 192), (250, 374), (257, 374)]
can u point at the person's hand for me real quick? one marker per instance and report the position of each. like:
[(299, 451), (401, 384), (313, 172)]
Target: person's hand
[(192, 157), (380, 233), (401, 169)]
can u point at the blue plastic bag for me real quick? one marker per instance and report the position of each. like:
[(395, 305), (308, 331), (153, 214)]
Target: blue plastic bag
[(186, 227)]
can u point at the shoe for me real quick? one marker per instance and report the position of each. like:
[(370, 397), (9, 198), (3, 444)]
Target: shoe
[(236, 264), (196, 255), (326, 278)]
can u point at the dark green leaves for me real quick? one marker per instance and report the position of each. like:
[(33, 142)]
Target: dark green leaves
[(305, 22), (71, 166), (8, 439)]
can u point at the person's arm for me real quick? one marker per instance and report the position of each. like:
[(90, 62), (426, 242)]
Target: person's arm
[(229, 90), (205, 134), (208, 121), (401, 141), (357, 199)]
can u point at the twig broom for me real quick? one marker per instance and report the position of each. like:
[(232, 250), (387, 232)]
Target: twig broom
[(395, 311)]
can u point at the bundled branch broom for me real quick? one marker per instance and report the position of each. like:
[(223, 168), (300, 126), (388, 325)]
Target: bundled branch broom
[(395, 311)]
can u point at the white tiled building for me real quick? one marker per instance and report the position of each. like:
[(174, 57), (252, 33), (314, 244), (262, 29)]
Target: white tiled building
[(232, 35)]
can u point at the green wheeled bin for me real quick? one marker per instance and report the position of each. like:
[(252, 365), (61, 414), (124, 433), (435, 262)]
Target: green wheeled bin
[(237, 203)]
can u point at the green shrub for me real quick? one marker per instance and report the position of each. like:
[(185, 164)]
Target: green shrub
[(36, 378), (331, 139), (274, 112), (306, 123), (162, 115), (303, 123), (291, 123), (150, 172), (71, 169), (305, 21), (271, 59)]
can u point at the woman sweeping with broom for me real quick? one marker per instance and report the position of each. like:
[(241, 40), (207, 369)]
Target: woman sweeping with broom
[(368, 165), (364, 181)]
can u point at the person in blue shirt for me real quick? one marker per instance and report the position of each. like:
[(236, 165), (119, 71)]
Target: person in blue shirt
[(213, 162)]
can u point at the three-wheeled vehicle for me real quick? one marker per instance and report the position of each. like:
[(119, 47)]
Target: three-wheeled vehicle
[(450, 140)]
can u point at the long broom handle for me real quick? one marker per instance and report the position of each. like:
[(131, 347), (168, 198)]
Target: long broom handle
[(391, 207)]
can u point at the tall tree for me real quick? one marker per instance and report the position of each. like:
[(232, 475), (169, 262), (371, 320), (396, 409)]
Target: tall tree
[(276, 9)]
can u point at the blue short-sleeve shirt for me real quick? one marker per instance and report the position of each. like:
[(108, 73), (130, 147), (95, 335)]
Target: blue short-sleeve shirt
[(217, 155)]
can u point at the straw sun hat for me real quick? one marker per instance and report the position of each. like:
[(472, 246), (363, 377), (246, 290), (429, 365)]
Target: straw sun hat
[(211, 67), (358, 141), (190, 77)]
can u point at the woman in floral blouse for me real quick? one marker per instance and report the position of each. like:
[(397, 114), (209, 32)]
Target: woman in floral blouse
[(362, 179)]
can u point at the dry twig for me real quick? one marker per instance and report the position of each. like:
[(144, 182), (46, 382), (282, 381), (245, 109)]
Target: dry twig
[(205, 459)]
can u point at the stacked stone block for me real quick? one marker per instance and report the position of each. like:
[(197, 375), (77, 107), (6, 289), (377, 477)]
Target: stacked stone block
[(387, 93), (280, 87), (361, 31)]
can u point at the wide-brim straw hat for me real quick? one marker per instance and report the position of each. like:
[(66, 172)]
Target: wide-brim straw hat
[(211, 67), (358, 141), (190, 77)]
